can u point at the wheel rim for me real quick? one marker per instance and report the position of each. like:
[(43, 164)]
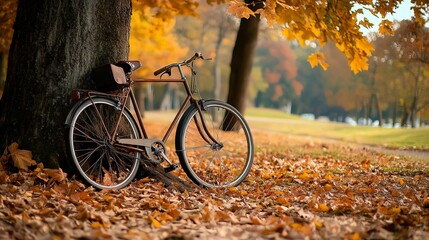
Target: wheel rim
[(97, 160), (218, 165)]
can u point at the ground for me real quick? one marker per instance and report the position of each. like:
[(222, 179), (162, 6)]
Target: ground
[(299, 187)]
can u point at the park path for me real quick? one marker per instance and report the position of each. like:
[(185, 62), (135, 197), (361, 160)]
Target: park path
[(424, 155)]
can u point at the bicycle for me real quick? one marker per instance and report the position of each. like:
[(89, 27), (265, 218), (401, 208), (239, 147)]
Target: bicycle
[(107, 143)]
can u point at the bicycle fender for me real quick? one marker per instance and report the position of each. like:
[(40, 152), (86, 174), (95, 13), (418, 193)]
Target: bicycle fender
[(203, 103), (73, 110)]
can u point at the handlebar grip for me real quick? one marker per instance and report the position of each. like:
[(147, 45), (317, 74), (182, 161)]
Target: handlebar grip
[(161, 70)]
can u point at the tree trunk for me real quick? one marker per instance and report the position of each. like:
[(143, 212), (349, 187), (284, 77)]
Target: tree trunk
[(369, 110), (413, 110), (242, 60), (379, 113), (149, 94), (222, 29), (405, 115), (166, 99), (217, 71), (395, 112)]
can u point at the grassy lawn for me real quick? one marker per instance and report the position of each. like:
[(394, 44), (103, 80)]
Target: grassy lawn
[(277, 121)]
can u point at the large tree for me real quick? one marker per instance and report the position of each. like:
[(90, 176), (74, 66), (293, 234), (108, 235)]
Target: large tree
[(55, 46)]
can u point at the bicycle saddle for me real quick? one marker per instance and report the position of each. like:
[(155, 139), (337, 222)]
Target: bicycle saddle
[(129, 66)]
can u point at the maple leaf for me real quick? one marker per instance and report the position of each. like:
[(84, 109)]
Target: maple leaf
[(358, 63), (268, 12), (155, 223), (240, 9), (365, 46), (55, 174), (316, 59), (385, 27), (22, 159)]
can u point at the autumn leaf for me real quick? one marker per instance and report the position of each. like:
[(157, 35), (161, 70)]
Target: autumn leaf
[(385, 27), (323, 208), (358, 63), (155, 223), (22, 159), (240, 9), (316, 59), (268, 12), (96, 225), (55, 174), (81, 196), (107, 178)]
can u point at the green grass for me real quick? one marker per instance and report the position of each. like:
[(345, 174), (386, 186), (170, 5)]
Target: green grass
[(272, 120)]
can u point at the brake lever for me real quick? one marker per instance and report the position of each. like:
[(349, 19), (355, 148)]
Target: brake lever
[(205, 59)]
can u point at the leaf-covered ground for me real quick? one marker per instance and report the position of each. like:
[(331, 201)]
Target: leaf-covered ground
[(298, 188)]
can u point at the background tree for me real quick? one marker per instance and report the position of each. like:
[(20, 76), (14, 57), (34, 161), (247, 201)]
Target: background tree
[(153, 42), (212, 33), (312, 99), (400, 61), (412, 46), (277, 62)]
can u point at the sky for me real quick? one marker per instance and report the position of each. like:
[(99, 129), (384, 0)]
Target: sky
[(401, 13)]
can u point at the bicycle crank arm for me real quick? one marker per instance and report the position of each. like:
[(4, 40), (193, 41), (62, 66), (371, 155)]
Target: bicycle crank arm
[(147, 142)]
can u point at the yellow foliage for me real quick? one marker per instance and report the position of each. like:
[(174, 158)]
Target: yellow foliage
[(167, 9), (152, 41)]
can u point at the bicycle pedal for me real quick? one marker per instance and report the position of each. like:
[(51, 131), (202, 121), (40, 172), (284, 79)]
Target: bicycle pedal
[(171, 167)]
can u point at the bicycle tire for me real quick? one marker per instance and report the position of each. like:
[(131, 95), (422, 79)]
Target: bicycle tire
[(209, 165), (98, 162)]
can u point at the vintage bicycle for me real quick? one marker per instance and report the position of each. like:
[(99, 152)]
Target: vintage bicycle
[(107, 143)]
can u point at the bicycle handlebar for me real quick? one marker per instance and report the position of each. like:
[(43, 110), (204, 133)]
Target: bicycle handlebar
[(197, 55)]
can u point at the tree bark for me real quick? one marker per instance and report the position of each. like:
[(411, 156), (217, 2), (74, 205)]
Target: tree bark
[(217, 69), (413, 110), (369, 110), (55, 46), (395, 112), (378, 108), (242, 59), (405, 116)]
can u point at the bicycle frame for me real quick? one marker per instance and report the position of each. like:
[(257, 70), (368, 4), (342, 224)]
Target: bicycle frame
[(127, 93)]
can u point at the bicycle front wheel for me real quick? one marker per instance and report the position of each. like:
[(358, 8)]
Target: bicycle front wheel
[(221, 163), (99, 162)]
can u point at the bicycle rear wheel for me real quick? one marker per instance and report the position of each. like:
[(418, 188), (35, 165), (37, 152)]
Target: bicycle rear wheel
[(100, 163), (209, 164)]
